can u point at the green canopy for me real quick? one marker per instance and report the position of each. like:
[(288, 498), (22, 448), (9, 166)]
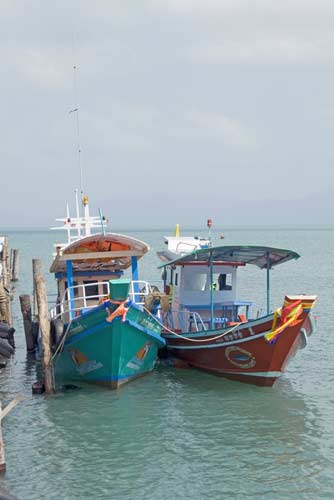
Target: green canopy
[(239, 255)]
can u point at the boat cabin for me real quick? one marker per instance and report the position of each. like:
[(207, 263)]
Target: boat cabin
[(202, 284), (198, 290), (84, 268)]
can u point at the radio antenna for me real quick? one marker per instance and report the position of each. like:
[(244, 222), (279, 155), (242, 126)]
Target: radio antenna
[(76, 111)]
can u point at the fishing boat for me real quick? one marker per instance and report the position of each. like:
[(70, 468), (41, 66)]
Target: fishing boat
[(101, 331), (210, 327)]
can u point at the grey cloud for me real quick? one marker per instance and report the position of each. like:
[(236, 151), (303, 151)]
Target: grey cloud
[(190, 106)]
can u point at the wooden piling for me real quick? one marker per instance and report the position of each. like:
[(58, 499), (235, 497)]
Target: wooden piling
[(6, 262), (36, 271), (15, 264), (27, 322), (5, 299), (2, 449), (11, 260), (44, 325)]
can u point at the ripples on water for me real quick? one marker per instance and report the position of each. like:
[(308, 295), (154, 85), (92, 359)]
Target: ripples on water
[(181, 434)]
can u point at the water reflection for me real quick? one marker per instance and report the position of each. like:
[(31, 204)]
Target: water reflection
[(179, 434), (31, 367), (175, 432), (232, 431)]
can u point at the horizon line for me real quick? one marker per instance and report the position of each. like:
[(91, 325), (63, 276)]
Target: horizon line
[(192, 228)]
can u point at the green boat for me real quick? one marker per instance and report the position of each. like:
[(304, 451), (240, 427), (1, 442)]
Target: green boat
[(102, 332)]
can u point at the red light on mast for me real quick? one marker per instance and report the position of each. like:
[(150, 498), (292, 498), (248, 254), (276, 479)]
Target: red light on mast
[(209, 223)]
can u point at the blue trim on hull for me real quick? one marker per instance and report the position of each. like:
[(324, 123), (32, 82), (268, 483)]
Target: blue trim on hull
[(84, 334), (146, 330), (105, 324)]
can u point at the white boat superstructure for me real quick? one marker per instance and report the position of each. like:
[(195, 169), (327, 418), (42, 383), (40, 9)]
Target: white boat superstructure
[(80, 226), (181, 245), (85, 264)]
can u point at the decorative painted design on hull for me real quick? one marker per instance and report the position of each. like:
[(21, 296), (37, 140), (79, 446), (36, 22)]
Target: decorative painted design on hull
[(240, 357)]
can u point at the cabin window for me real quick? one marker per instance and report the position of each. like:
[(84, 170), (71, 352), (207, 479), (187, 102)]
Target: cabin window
[(91, 290), (75, 290), (223, 281), (195, 281), (201, 281), (176, 279)]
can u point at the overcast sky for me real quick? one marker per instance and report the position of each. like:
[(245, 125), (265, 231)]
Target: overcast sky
[(188, 109)]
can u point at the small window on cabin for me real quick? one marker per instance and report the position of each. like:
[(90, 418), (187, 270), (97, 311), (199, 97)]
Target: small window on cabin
[(194, 282), (91, 290), (223, 281), (105, 288), (176, 279), (76, 290)]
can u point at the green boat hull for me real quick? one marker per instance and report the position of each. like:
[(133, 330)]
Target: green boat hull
[(109, 352)]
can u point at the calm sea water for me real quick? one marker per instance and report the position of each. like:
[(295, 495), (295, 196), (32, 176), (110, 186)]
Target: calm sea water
[(179, 434)]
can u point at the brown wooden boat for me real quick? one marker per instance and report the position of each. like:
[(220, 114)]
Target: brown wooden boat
[(210, 328)]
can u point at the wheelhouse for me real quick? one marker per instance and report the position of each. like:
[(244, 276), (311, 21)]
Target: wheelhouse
[(84, 268), (202, 284)]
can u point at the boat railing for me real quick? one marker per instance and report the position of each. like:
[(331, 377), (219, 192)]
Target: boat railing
[(187, 320), (77, 299), (139, 291)]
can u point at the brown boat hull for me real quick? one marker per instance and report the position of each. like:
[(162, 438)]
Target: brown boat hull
[(244, 354)]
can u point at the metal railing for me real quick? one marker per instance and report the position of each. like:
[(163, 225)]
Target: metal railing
[(139, 290), (187, 320), (76, 299)]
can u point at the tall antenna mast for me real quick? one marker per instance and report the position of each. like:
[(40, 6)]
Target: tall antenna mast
[(76, 111)]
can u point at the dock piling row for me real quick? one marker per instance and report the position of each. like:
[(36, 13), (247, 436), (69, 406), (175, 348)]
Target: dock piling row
[(27, 322)]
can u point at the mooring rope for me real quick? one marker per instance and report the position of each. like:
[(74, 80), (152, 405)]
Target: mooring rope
[(186, 338), (62, 342)]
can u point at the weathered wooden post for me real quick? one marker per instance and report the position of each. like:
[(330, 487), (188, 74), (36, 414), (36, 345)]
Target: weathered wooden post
[(2, 449), (6, 261), (27, 322), (44, 325), (11, 261), (14, 264), (5, 302), (36, 271)]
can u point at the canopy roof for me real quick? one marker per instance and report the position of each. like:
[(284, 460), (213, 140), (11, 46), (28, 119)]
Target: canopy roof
[(236, 255), (109, 252)]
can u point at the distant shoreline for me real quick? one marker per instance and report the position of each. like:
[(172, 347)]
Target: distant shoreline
[(170, 229)]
